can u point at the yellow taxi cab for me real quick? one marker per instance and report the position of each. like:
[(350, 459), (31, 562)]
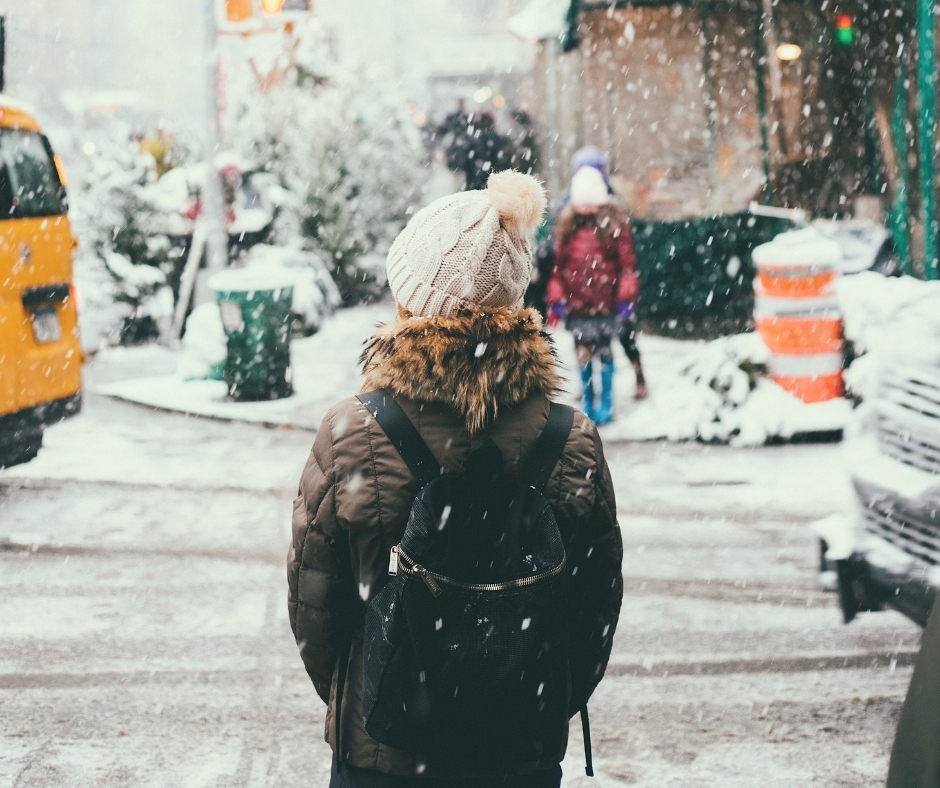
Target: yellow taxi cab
[(40, 354)]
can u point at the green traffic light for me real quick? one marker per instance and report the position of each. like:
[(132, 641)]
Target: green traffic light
[(845, 33)]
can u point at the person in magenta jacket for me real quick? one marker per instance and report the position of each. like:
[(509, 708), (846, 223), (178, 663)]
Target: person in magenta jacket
[(594, 286)]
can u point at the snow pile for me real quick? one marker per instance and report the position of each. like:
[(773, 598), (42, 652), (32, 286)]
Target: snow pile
[(98, 312), (718, 394), (860, 239), (716, 379), (204, 345), (798, 249), (897, 317)]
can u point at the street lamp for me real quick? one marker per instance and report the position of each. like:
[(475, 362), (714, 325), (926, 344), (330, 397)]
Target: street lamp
[(789, 51)]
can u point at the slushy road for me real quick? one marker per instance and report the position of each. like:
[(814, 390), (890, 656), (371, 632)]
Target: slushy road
[(144, 637)]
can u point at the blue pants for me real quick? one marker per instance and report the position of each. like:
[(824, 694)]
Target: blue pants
[(352, 777)]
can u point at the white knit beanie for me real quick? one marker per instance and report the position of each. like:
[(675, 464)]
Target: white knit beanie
[(588, 188), (470, 249)]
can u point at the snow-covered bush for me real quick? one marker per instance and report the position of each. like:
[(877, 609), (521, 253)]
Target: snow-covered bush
[(720, 394), (143, 289), (717, 378), (346, 155), (115, 224)]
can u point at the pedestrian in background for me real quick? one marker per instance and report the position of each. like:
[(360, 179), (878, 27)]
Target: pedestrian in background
[(593, 157), (471, 369), (536, 295), (474, 146), (594, 286)]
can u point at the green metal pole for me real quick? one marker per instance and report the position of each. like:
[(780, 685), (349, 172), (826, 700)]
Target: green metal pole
[(759, 60), (899, 216), (872, 148), (927, 88)]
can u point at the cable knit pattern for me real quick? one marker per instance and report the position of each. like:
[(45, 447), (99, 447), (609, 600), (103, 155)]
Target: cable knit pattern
[(462, 251)]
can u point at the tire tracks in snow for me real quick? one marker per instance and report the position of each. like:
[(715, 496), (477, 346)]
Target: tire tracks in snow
[(740, 592), (645, 669)]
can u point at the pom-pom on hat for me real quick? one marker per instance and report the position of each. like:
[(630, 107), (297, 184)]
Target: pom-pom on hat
[(470, 249), (588, 188)]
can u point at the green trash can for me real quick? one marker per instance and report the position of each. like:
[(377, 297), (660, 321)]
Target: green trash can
[(255, 306)]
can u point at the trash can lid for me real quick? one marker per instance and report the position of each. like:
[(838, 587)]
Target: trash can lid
[(239, 280)]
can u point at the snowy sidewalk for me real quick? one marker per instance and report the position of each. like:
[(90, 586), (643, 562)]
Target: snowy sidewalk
[(682, 405), (325, 370)]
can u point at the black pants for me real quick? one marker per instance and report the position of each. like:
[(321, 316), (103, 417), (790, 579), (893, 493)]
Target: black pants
[(352, 777), (628, 340)]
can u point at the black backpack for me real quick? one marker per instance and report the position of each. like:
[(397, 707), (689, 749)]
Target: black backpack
[(465, 649)]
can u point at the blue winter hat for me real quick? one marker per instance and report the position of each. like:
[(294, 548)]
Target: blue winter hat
[(589, 156)]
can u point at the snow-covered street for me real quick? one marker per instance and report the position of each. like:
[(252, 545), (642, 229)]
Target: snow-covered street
[(694, 244), (144, 637)]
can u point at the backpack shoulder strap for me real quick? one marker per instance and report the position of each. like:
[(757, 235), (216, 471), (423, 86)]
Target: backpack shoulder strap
[(403, 435), (549, 447)]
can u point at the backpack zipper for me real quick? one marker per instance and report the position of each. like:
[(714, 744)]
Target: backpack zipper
[(401, 561)]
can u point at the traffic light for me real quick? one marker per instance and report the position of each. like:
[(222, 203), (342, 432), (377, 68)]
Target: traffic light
[(845, 31)]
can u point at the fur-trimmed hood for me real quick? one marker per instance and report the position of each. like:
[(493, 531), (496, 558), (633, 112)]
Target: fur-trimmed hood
[(476, 360)]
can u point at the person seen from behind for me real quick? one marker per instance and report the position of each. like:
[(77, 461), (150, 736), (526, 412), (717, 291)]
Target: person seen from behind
[(594, 157), (454, 576), (594, 287), (474, 147)]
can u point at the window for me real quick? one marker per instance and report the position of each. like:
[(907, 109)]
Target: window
[(29, 182)]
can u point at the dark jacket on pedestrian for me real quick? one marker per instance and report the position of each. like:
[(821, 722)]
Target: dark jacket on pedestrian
[(915, 758), (356, 493), (479, 150), (595, 263)]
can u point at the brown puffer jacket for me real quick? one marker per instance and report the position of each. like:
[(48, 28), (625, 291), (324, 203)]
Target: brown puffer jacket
[(454, 377)]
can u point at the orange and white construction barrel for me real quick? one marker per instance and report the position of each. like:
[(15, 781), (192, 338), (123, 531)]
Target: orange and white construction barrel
[(797, 315)]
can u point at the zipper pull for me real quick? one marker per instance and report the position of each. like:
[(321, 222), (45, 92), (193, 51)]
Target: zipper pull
[(393, 561), (423, 573)]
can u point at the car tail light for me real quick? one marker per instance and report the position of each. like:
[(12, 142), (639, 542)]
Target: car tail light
[(75, 296), (193, 207), (60, 169)]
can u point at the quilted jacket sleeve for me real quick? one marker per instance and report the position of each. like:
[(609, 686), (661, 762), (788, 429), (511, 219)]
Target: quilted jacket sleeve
[(555, 290), (595, 586), (628, 283), (318, 572)]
